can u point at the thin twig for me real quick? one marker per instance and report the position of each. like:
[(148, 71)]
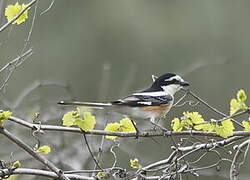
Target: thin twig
[(90, 151), (228, 117), (12, 62), (204, 102), (209, 106), (24, 56), (46, 10), (27, 40)]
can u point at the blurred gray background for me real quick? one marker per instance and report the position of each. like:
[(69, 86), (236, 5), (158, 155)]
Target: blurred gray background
[(101, 50)]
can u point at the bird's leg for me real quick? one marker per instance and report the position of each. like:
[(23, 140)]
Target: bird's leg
[(137, 131), (152, 120)]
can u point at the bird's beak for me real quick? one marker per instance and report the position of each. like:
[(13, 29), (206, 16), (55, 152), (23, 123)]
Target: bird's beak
[(184, 83)]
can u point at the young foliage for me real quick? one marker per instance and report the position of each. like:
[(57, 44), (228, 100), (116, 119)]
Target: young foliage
[(195, 121), (176, 124), (188, 120), (5, 115), (125, 125), (43, 150), (87, 122), (134, 163), (16, 165), (12, 10), (246, 125), (225, 129), (84, 120), (238, 103), (102, 175)]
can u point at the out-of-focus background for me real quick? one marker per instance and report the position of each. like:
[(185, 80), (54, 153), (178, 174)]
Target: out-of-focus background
[(101, 50)]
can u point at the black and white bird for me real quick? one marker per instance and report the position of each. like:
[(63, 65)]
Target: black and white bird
[(150, 103)]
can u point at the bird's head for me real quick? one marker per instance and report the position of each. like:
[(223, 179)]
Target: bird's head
[(170, 83)]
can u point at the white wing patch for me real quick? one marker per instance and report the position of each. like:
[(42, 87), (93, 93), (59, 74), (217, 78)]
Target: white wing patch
[(154, 94), (130, 98), (146, 103)]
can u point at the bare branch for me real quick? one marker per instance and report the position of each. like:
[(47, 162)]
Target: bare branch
[(46, 10), (235, 166), (38, 172), (211, 145), (209, 106), (13, 62), (37, 156)]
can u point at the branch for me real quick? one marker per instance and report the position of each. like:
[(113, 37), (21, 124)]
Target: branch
[(120, 134), (211, 145), (204, 102), (30, 151), (191, 148), (228, 117), (17, 16), (209, 106), (27, 53), (38, 172), (235, 166), (14, 62)]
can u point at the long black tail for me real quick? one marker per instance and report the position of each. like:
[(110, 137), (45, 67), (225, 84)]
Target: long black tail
[(87, 104)]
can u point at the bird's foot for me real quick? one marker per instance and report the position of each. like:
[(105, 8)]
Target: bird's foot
[(159, 126), (136, 129)]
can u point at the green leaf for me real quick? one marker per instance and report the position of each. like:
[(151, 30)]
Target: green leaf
[(112, 127), (134, 163), (70, 117), (209, 127), (195, 117), (241, 96), (87, 123), (226, 129), (127, 125), (176, 124), (102, 175), (5, 115), (246, 125), (16, 164), (239, 103), (43, 150), (234, 106), (12, 10), (228, 124)]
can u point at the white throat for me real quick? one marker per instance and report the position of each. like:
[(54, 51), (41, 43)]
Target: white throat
[(171, 89)]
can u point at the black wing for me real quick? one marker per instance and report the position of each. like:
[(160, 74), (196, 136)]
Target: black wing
[(142, 100)]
